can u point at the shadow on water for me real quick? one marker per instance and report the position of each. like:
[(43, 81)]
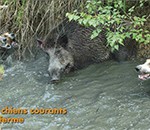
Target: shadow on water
[(102, 96)]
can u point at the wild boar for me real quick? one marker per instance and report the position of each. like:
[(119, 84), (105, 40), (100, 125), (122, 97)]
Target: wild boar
[(73, 49)]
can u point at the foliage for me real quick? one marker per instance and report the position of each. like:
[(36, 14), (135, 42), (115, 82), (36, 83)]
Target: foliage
[(2, 71), (119, 21)]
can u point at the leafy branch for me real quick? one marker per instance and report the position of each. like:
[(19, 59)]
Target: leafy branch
[(119, 22)]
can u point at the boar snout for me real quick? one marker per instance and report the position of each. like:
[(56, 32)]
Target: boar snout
[(54, 75), (54, 81)]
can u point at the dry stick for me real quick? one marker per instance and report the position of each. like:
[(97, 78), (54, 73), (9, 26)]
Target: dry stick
[(50, 17), (3, 6), (41, 21), (34, 6), (25, 30)]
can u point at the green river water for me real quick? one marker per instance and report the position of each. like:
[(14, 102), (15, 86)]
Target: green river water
[(106, 96)]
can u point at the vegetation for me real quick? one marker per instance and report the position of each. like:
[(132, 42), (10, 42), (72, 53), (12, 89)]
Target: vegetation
[(33, 18), (2, 71), (117, 17)]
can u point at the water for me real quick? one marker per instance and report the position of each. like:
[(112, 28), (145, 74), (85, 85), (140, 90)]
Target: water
[(106, 96)]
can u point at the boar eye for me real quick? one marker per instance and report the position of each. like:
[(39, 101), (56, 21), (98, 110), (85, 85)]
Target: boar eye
[(58, 52), (67, 66), (61, 70)]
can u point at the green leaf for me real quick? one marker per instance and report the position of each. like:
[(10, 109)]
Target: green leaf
[(131, 9), (85, 21), (2, 71), (116, 47), (94, 34), (91, 22), (76, 17)]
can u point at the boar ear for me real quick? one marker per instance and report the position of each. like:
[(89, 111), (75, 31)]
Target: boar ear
[(62, 40), (39, 42)]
